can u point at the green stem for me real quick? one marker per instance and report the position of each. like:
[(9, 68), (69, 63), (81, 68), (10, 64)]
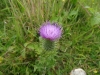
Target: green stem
[(48, 45)]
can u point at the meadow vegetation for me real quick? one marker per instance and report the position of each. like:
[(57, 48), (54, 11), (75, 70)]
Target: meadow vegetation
[(20, 47)]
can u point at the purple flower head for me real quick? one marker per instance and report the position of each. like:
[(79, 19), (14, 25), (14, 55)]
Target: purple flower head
[(50, 31)]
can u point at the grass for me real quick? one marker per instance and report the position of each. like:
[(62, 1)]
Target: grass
[(79, 46)]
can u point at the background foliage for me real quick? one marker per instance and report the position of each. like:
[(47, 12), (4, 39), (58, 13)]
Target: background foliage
[(20, 48)]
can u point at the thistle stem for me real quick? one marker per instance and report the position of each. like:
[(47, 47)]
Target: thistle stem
[(48, 44)]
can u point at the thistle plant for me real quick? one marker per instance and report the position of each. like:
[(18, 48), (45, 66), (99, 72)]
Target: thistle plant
[(50, 33)]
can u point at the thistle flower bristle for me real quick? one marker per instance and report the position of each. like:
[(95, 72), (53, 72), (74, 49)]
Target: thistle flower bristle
[(50, 31)]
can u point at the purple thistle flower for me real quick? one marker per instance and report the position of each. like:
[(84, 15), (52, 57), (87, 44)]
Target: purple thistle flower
[(50, 31)]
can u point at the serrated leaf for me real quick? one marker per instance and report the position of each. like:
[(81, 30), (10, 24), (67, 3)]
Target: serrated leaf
[(35, 46), (30, 46)]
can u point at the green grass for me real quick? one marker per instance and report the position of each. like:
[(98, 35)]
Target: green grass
[(79, 46)]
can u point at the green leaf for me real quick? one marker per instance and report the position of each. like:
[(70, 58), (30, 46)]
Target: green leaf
[(24, 53), (27, 71), (95, 19), (1, 73), (73, 14), (35, 46), (74, 1)]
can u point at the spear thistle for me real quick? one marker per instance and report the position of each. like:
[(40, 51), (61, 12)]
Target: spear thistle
[(50, 33)]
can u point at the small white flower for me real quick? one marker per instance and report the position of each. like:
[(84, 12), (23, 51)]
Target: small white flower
[(78, 71)]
